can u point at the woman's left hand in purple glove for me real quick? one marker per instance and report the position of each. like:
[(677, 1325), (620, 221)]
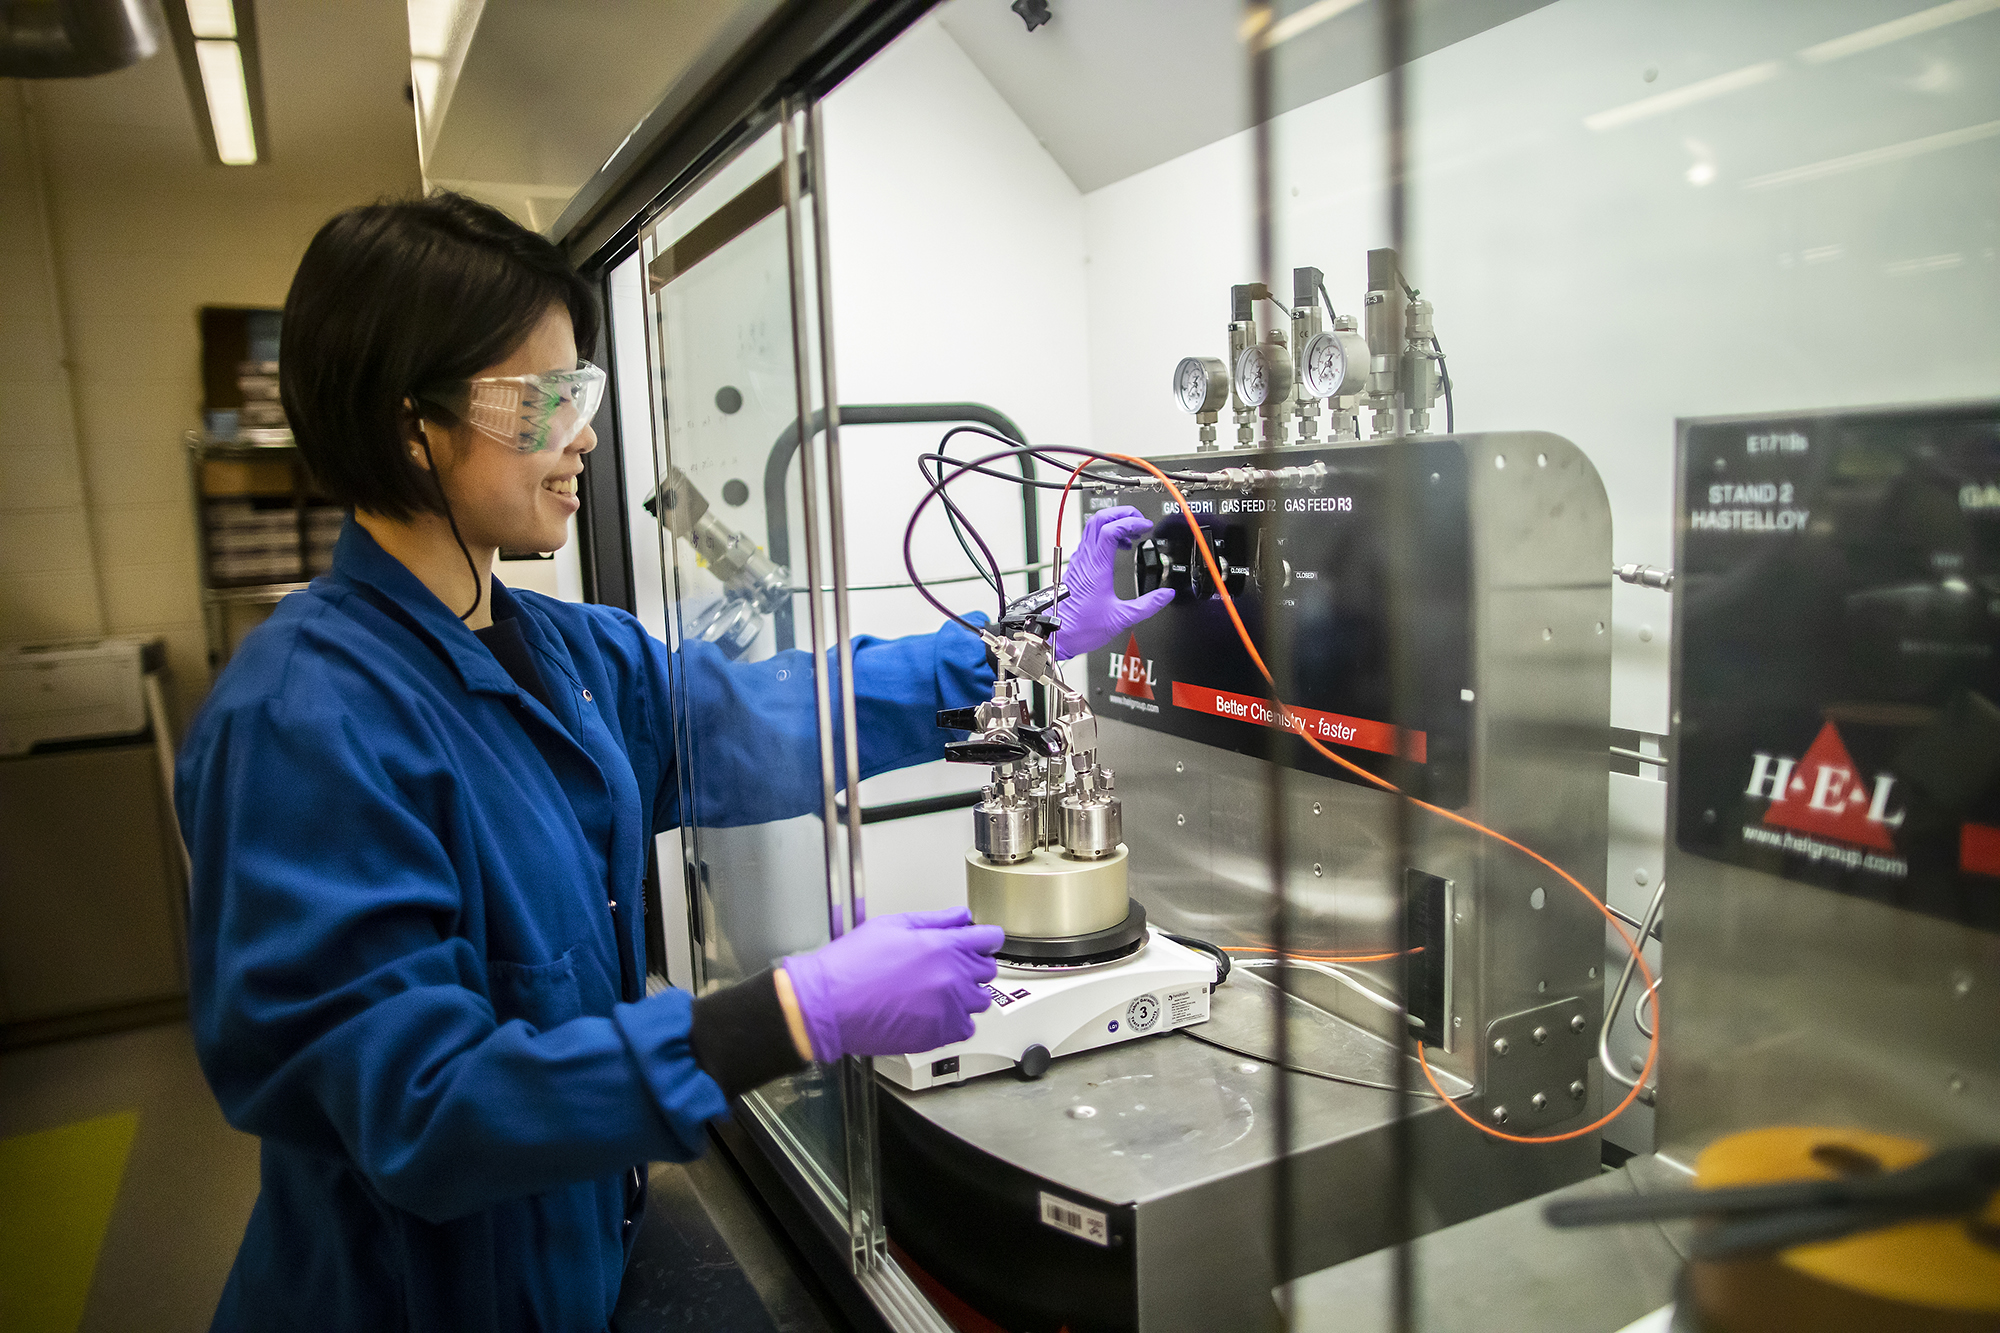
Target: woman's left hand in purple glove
[(1092, 615)]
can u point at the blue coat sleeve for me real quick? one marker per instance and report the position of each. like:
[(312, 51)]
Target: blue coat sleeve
[(338, 1005), (752, 740)]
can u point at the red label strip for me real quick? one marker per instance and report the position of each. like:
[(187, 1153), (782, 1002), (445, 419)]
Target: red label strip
[(1328, 728), (1979, 849)]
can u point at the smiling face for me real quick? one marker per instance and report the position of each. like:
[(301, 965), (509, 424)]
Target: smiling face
[(502, 498)]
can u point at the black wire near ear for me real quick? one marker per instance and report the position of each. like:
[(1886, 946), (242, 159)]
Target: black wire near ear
[(478, 588)]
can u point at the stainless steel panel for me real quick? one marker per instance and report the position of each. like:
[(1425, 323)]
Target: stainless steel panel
[(1181, 1132), (1792, 1004), (1510, 1269), (1195, 815)]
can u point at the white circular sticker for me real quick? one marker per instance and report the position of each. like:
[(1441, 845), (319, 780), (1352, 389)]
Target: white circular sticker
[(1142, 1013)]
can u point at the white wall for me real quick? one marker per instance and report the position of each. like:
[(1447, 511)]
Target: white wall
[(959, 273)]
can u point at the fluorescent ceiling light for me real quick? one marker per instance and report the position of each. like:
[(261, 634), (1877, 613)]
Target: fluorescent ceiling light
[(1895, 30), (1874, 157), (1661, 103), (212, 18), (228, 102), (1902, 268)]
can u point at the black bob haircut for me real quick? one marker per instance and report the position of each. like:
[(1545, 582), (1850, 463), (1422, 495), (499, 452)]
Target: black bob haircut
[(396, 299)]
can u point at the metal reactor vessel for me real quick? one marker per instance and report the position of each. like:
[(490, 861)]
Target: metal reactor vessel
[(1080, 967)]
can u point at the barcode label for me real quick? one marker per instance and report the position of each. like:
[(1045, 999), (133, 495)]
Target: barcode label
[(1075, 1219)]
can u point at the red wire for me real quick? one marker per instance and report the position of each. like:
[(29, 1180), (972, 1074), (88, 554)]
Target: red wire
[(1063, 503), (1229, 604)]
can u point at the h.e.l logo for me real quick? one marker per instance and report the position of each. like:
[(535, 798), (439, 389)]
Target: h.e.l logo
[(1823, 794), (1133, 674)]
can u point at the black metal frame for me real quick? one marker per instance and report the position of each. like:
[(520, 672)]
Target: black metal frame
[(604, 529), (809, 49)]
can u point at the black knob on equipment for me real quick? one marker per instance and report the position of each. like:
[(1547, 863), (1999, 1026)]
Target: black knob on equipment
[(1034, 1061), (996, 750), (958, 719)]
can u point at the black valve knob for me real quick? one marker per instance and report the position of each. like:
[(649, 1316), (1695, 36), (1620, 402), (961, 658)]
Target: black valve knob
[(1149, 565), (988, 750), (958, 719), (1044, 741)]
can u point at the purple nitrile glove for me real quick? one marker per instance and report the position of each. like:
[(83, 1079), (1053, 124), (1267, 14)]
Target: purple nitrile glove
[(896, 985), (1092, 615)]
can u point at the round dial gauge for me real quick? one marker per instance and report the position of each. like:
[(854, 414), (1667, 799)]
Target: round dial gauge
[(1334, 363), (1323, 366), (1201, 384), (1263, 374)]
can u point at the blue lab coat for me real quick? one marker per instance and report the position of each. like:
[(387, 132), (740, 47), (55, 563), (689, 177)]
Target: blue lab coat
[(416, 940)]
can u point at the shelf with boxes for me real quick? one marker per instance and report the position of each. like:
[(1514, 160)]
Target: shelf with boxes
[(264, 531)]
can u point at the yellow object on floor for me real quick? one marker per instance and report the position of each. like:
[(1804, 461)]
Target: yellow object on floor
[(56, 1192)]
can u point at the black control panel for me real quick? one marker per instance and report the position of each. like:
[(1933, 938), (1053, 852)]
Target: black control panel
[(1314, 562), (1838, 653)]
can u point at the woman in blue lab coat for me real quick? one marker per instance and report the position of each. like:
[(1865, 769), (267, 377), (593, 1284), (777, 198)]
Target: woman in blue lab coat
[(418, 806)]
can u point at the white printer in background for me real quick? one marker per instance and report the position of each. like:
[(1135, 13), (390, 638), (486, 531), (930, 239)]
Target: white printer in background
[(80, 689)]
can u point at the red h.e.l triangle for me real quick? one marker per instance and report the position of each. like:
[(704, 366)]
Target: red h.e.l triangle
[(1842, 788), (1133, 681)]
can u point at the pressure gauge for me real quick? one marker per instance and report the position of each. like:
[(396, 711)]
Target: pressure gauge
[(1334, 364), (1201, 384), (1263, 374)]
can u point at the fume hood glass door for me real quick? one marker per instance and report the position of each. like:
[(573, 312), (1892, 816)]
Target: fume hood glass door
[(718, 283)]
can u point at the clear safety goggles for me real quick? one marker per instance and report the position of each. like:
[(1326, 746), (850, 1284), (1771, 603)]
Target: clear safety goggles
[(530, 413)]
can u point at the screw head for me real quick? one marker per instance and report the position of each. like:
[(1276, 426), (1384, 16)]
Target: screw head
[(1541, 1036), (1315, 807), (1179, 767), (1576, 1090), (1501, 1046), (1540, 1101), (1498, 1115), (1457, 1021), (1576, 1023), (1180, 819), (1317, 872)]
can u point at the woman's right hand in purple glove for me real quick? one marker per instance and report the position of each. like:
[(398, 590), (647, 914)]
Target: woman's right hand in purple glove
[(896, 985)]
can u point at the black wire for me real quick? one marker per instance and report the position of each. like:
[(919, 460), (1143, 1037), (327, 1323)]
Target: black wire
[(1444, 373), (1214, 951), (1037, 453), (1331, 318), (959, 523), (1036, 483), (478, 586), (960, 469)]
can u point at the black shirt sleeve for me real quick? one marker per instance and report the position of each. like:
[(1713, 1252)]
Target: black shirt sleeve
[(740, 1037)]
